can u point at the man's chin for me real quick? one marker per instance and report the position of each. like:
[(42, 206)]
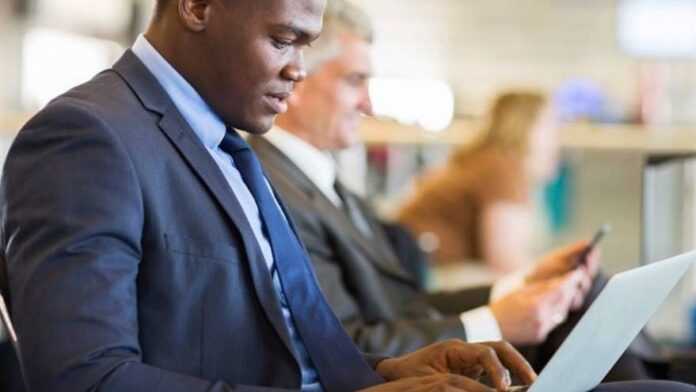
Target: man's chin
[(260, 126)]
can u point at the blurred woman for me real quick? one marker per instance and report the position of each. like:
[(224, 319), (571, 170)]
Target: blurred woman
[(479, 205)]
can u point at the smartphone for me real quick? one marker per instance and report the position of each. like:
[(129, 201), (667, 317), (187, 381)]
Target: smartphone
[(599, 235)]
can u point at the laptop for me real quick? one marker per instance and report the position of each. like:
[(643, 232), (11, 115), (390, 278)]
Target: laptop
[(610, 325)]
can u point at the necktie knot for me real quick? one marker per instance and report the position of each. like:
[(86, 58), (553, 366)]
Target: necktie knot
[(233, 142)]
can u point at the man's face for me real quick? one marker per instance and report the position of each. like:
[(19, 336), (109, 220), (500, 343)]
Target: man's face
[(328, 106), (249, 57)]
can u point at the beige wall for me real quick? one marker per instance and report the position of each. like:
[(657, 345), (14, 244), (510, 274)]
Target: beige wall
[(481, 46), (10, 53)]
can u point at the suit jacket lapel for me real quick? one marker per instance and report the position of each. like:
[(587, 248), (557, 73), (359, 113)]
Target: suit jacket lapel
[(204, 167), (377, 251)]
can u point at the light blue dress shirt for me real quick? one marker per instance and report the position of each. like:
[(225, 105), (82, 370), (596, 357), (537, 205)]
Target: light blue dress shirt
[(210, 129)]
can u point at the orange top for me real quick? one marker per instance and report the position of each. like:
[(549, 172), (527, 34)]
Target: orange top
[(449, 201)]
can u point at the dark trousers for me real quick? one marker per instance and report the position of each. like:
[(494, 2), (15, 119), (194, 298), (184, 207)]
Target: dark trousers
[(10, 375)]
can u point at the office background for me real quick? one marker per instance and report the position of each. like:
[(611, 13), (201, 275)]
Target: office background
[(625, 72)]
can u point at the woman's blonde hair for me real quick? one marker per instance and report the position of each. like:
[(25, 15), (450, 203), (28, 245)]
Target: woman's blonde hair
[(509, 123)]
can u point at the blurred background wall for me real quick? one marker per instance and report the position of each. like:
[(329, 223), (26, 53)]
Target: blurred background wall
[(477, 47)]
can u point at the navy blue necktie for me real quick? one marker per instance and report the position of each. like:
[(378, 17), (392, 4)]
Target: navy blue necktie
[(341, 367)]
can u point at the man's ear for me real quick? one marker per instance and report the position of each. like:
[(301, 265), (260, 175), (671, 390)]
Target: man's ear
[(195, 14)]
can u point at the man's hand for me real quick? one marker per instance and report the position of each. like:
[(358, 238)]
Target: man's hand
[(464, 359), (527, 315), (564, 260)]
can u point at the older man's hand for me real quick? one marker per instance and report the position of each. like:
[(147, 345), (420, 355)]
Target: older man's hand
[(470, 361), (527, 315), (564, 260)]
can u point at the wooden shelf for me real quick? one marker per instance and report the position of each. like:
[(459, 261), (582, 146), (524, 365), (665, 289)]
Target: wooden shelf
[(633, 138), (667, 140), (578, 136)]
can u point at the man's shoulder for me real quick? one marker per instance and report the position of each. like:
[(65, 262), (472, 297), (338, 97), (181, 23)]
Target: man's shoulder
[(104, 102), (106, 95)]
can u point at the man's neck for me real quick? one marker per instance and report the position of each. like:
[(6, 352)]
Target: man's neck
[(179, 56), (299, 131)]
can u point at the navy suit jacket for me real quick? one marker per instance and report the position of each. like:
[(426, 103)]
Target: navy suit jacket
[(131, 264)]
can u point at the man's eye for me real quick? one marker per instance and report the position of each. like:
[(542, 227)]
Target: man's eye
[(281, 43), (356, 80)]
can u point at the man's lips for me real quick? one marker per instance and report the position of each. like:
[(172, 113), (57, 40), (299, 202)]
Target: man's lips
[(277, 102)]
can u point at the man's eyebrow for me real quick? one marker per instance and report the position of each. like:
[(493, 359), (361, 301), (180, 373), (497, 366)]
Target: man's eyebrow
[(300, 33)]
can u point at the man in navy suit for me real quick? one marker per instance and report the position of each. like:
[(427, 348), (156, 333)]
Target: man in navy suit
[(145, 249)]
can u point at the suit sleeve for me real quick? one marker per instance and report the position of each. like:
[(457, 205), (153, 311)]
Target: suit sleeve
[(392, 337), (455, 302), (72, 220)]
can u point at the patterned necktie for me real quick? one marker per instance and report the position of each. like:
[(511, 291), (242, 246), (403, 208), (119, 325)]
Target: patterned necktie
[(340, 365)]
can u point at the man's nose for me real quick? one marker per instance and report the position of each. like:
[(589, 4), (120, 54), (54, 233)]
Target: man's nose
[(295, 70), (366, 103)]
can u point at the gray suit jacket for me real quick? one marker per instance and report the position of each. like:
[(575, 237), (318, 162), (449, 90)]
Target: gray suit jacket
[(131, 264), (377, 300)]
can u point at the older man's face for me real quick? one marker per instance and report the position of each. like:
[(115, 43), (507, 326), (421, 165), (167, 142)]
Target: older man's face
[(332, 100), (251, 57)]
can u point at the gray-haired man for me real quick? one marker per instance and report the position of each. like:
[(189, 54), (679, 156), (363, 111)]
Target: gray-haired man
[(359, 272)]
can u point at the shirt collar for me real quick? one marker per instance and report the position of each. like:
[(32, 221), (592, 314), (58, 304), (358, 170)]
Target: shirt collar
[(204, 122), (319, 166)]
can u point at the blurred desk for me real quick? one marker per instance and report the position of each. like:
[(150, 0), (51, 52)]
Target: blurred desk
[(456, 276)]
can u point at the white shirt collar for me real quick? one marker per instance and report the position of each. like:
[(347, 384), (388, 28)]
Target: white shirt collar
[(319, 166)]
